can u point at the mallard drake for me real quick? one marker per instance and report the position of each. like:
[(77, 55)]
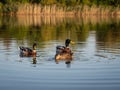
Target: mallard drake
[(64, 52), (25, 51)]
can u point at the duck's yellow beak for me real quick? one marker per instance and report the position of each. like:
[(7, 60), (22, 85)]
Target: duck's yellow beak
[(71, 42), (34, 47)]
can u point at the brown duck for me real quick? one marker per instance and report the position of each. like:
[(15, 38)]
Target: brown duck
[(64, 52), (25, 51)]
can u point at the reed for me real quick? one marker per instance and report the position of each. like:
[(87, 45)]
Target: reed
[(54, 9)]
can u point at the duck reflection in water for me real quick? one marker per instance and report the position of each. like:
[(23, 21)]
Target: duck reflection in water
[(34, 60), (67, 62)]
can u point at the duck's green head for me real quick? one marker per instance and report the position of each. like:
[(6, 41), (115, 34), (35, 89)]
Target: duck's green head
[(34, 46), (68, 41)]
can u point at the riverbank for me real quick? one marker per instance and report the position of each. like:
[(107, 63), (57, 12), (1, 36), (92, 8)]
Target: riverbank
[(38, 9)]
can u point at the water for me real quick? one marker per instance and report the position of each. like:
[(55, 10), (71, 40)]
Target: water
[(96, 63)]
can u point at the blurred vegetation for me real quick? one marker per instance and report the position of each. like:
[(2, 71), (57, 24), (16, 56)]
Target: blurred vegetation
[(12, 6), (66, 2), (42, 30), (107, 29), (11, 27)]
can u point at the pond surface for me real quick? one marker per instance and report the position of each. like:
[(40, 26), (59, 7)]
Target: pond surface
[(96, 62)]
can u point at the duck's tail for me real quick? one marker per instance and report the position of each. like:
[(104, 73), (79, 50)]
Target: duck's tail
[(21, 48)]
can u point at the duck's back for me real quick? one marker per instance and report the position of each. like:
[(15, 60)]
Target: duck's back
[(63, 49), (25, 49), (59, 49)]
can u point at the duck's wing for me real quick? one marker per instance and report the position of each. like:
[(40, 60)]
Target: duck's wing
[(63, 50), (26, 49), (59, 49)]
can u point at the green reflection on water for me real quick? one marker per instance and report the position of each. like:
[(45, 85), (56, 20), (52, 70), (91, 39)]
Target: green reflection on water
[(41, 29)]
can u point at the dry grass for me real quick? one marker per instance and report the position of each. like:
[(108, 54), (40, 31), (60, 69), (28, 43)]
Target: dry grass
[(83, 10)]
